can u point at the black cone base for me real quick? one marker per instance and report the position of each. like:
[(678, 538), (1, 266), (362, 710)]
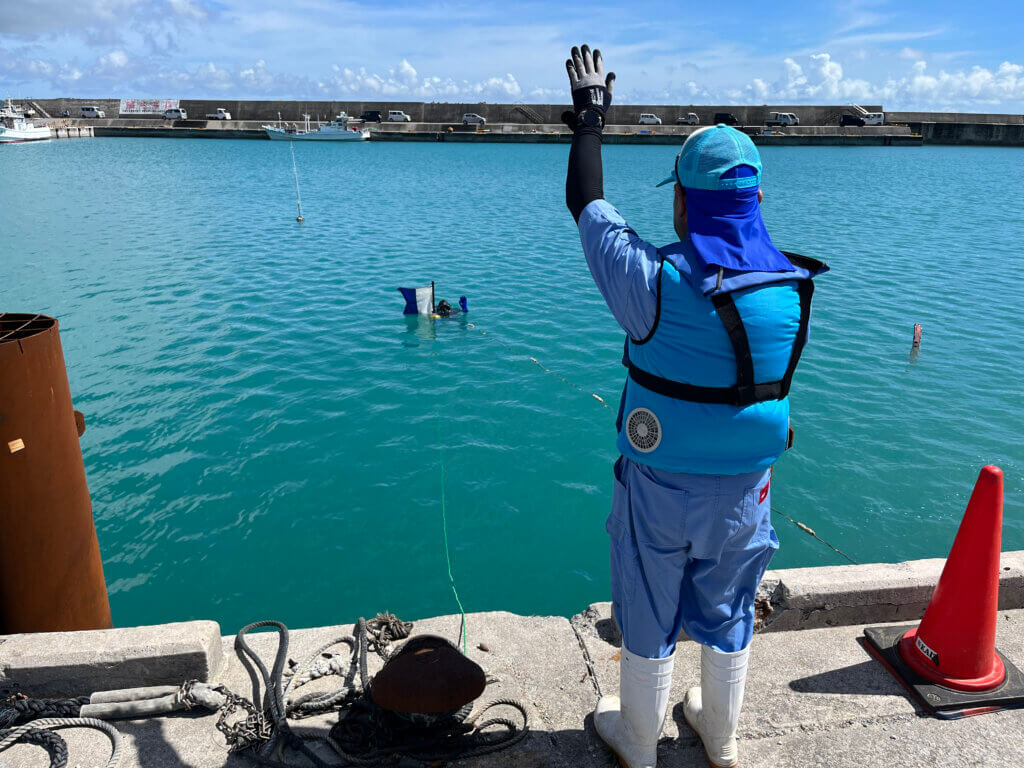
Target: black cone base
[(883, 642)]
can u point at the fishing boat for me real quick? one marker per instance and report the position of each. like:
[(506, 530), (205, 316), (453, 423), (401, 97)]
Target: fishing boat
[(337, 129), (14, 127)]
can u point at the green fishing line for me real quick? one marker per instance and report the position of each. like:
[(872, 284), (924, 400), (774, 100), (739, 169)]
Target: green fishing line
[(448, 556)]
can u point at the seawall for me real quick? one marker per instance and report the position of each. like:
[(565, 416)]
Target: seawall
[(814, 696), (445, 112)]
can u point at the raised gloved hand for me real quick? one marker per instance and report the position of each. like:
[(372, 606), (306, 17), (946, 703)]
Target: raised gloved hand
[(591, 90)]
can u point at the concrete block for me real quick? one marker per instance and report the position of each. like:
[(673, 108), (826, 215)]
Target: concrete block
[(80, 663), (841, 595)]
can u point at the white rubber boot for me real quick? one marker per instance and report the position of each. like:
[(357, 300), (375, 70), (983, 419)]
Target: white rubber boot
[(630, 723), (713, 708)]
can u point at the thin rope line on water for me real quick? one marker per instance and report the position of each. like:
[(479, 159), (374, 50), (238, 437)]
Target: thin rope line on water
[(810, 532), (805, 528), (543, 367), (295, 174)]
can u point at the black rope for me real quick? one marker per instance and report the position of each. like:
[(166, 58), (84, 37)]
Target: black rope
[(365, 734), (19, 709), (52, 742)]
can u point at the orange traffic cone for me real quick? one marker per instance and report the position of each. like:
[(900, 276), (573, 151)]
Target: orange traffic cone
[(955, 645), (950, 660)]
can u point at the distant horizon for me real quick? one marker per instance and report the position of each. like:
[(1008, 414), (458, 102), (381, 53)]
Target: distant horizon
[(910, 55)]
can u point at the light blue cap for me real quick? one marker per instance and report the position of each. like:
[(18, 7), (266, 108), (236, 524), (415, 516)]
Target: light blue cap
[(708, 156)]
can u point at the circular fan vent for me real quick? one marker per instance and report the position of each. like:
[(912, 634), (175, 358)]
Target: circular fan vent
[(643, 430)]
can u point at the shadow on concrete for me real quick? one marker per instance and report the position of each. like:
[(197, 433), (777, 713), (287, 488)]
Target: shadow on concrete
[(153, 747), (608, 631), (868, 678)]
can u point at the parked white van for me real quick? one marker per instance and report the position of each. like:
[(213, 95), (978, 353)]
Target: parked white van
[(93, 111), (175, 114), (690, 119), (648, 118), (398, 116), (874, 118)]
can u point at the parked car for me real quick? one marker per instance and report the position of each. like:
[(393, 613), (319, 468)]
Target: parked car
[(220, 114), (398, 116), (726, 118), (689, 119), (648, 118), (851, 120), (781, 118), (92, 111), (371, 116), (472, 117), (175, 114), (874, 118)]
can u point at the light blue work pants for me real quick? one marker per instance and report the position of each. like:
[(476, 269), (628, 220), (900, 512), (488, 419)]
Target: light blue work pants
[(687, 552)]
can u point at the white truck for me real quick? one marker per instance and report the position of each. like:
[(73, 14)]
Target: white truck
[(398, 116), (781, 118), (220, 114)]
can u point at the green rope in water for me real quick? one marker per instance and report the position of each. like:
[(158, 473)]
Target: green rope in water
[(448, 556)]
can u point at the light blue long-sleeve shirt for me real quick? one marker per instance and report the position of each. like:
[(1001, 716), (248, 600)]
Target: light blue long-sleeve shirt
[(624, 266)]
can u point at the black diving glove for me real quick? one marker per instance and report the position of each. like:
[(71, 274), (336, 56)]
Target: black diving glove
[(591, 90)]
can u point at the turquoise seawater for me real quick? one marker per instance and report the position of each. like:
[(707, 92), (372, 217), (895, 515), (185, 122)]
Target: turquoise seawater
[(266, 431)]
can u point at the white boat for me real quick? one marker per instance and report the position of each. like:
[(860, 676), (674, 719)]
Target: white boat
[(337, 129), (14, 127)]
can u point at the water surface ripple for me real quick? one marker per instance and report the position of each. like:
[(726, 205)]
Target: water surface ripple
[(266, 430)]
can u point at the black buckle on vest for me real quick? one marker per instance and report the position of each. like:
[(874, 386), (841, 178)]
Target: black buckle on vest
[(745, 391)]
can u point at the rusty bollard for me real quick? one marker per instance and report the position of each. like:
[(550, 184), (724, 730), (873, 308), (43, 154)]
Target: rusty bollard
[(51, 574)]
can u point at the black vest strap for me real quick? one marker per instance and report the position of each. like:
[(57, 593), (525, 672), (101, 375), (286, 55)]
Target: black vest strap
[(744, 392)]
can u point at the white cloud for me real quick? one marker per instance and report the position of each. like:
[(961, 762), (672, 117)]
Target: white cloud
[(114, 59), (822, 80)]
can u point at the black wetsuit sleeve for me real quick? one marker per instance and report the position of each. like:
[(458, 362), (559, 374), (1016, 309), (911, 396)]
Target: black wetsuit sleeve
[(584, 182)]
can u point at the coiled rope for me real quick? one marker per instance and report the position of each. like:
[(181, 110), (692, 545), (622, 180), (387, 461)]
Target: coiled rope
[(16, 734), (267, 734), (54, 745)]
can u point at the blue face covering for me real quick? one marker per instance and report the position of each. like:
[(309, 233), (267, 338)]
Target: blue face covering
[(727, 230)]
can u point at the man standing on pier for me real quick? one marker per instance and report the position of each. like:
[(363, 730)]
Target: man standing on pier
[(715, 325)]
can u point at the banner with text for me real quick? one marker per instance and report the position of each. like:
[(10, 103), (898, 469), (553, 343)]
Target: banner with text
[(147, 106)]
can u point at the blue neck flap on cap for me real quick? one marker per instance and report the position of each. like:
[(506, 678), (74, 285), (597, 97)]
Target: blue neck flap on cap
[(727, 230)]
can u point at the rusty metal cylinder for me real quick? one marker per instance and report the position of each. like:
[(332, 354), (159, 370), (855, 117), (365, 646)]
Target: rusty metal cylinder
[(51, 574)]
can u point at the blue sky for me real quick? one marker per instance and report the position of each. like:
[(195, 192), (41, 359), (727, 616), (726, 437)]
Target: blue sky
[(910, 54)]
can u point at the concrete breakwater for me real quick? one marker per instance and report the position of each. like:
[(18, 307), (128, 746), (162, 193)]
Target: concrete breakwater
[(507, 132), (814, 696), (914, 134), (988, 129)]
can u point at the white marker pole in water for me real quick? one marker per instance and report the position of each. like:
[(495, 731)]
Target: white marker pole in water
[(295, 173)]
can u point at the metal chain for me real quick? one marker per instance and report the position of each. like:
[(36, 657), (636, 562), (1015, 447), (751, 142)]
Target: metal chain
[(255, 730)]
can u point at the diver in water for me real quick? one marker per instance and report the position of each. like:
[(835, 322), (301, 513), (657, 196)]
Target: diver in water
[(444, 309), (714, 324)]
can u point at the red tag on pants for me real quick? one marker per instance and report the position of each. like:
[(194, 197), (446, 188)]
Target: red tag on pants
[(764, 491)]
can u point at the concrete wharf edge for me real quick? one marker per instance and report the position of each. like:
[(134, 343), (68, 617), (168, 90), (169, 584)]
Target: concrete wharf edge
[(896, 134), (814, 697)]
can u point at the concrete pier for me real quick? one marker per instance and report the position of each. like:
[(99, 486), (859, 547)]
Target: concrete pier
[(514, 133), (814, 696), (71, 131)]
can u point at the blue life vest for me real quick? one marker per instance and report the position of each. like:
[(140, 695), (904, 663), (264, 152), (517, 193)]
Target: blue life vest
[(707, 391)]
